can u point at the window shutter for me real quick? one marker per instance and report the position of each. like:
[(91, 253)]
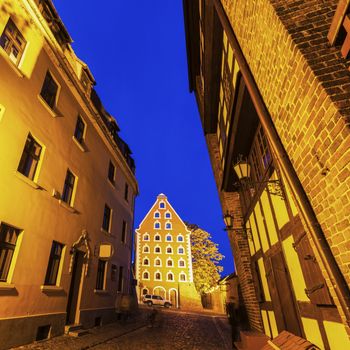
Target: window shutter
[(316, 287)]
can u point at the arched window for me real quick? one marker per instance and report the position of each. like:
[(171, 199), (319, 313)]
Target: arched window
[(170, 276), (169, 262), (156, 215), (182, 277), (157, 262), (169, 238), (158, 276), (169, 250), (157, 237), (146, 237), (145, 262), (168, 225), (161, 205), (157, 249), (146, 249), (181, 263), (180, 238), (144, 290), (168, 215), (145, 276), (180, 250), (157, 224)]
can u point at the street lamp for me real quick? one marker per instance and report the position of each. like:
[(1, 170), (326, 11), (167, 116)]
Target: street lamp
[(228, 218)]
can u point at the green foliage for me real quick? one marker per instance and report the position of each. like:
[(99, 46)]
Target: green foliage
[(205, 259)]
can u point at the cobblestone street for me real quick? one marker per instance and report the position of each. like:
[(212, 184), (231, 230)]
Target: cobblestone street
[(171, 330)]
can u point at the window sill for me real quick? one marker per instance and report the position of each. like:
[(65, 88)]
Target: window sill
[(28, 181), (67, 206), (101, 291), (6, 286), (47, 107), (51, 289), (81, 146), (10, 63), (106, 232), (111, 183)]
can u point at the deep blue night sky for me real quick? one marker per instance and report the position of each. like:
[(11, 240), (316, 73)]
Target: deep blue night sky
[(137, 54)]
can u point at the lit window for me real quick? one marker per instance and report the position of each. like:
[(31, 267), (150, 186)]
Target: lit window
[(54, 264), (182, 277), (146, 249), (30, 158), (145, 277), (146, 237), (157, 238), (170, 276), (169, 263), (146, 261), (8, 240), (107, 218), (101, 274), (181, 263), (157, 262), (158, 276), (12, 42), (68, 188), (49, 90), (79, 132), (169, 250), (180, 238)]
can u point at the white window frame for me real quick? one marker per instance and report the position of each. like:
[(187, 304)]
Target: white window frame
[(160, 260), (145, 235), (162, 202), (155, 223), (166, 249), (172, 262), (167, 278), (143, 261), (154, 214), (145, 246), (166, 213), (183, 274), (180, 247), (160, 249), (169, 235), (161, 277), (157, 235), (143, 277), (180, 235), (178, 263), (168, 223)]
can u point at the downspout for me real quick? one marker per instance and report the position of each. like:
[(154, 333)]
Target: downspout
[(331, 266)]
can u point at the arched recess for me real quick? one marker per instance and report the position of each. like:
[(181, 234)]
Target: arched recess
[(174, 297), (159, 290)]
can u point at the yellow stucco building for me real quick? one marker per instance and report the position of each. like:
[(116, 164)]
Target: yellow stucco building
[(67, 184), (163, 256)]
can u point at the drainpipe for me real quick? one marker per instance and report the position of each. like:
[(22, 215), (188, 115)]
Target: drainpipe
[(337, 279)]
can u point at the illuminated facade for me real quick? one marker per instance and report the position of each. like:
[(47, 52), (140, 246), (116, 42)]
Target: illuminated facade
[(163, 256), (274, 94), (67, 184)]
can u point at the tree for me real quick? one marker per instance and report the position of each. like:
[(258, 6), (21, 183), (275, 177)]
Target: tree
[(205, 259)]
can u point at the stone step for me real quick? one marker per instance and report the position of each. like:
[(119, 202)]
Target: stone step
[(78, 333), (72, 327)]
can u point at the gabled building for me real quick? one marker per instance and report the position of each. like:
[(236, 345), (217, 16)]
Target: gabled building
[(272, 84), (67, 184), (163, 256)]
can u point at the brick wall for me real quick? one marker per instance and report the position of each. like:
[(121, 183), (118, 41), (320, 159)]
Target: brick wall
[(305, 85), (230, 201)]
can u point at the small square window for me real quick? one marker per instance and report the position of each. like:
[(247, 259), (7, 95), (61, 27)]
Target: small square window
[(79, 132), (68, 188), (8, 240), (107, 218), (111, 172), (12, 42), (30, 158), (49, 90), (54, 264)]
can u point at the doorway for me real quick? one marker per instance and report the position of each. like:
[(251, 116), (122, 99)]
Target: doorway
[(173, 297), (74, 287)]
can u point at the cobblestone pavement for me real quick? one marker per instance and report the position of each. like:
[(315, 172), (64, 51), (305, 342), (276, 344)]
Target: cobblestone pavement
[(171, 331)]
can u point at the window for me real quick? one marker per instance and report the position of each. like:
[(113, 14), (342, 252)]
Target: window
[(157, 250), (54, 264), (169, 262), (146, 237), (157, 225), (145, 262), (106, 224), (145, 277), (170, 276), (161, 205), (121, 279), (8, 240), (181, 263), (157, 237), (49, 90), (79, 132), (157, 262), (158, 276), (145, 290), (126, 192), (113, 273), (12, 42), (111, 172), (180, 238), (156, 215), (180, 250), (169, 250), (101, 272), (182, 277), (68, 188), (169, 238), (146, 249), (124, 229), (168, 225), (85, 81), (30, 158), (167, 215)]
